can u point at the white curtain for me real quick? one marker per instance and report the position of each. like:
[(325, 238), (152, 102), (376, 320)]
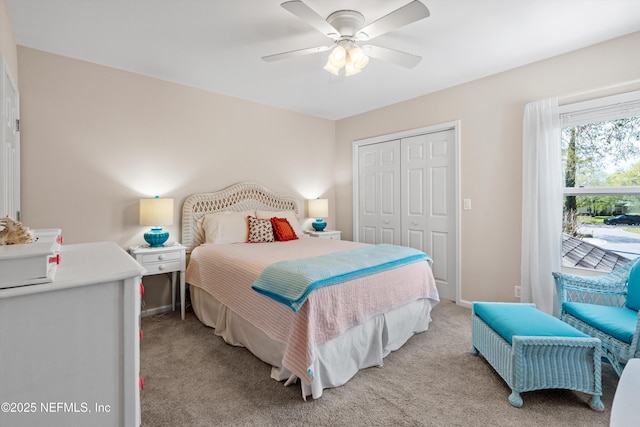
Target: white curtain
[(541, 204)]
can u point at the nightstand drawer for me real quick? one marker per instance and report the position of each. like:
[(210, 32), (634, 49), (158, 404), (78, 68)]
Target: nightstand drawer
[(163, 256), (162, 267), (327, 234)]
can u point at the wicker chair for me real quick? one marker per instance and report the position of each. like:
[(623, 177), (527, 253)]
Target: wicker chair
[(605, 307)]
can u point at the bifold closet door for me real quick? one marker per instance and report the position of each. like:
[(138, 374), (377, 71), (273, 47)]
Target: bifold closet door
[(379, 193), (407, 196), (428, 206)]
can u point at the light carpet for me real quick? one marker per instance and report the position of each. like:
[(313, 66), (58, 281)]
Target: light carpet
[(193, 378)]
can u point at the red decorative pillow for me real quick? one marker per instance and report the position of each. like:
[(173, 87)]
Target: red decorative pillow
[(282, 229)]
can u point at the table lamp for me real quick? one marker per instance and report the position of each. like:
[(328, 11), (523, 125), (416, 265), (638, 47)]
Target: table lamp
[(156, 212), (319, 208)]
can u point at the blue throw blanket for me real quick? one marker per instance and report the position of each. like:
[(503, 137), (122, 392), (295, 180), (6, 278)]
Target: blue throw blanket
[(290, 282)]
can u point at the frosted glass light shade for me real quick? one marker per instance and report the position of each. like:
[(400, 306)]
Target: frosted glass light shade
[(330, 68), (348, 55), (358, 58), (338, 57)]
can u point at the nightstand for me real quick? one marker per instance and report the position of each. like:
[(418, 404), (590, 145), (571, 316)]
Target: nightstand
[(169, 258), (327, 234)]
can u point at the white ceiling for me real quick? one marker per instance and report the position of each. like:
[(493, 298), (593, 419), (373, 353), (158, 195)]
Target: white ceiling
[(217, 45)]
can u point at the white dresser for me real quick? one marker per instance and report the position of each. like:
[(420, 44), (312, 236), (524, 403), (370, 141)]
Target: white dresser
[(70, 349), (624, 411)]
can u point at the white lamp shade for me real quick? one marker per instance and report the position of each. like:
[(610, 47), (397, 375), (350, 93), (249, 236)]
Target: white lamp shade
[(319, 208), (156, 211)]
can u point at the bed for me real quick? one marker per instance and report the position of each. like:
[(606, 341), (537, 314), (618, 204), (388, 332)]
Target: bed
[(336, 331)]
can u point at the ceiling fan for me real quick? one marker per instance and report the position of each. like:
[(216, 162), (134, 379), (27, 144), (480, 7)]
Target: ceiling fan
[(345, 28)]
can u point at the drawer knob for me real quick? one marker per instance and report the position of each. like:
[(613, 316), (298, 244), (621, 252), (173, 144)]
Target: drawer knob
[(161, 267), (161, 257)]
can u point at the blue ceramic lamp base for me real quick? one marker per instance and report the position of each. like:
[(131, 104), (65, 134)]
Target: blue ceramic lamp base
[(156, 237), (319, 224)]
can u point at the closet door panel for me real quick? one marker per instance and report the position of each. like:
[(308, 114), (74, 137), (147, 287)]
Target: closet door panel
[(389, 194), (414, 191), (379, 191), (368, 235), (439, 252), (367, 189), (416, 239), (439, 200), (440, 213)]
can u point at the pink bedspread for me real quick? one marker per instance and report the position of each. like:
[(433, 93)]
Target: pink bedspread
[(228, 271)]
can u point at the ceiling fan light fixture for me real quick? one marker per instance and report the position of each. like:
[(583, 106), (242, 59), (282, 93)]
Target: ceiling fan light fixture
[(358, 58), (338, 57), (348, 55), (330, 68), (346, 28), (350, 69)]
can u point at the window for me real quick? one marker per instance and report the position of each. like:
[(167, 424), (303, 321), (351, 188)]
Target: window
[(601, 172)]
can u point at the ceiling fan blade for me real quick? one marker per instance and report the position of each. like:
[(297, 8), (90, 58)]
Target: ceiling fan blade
[(407, 14), (293, 53), (403, 59), (308, 15)]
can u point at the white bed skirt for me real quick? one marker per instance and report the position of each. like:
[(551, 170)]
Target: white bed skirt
[(365, 344)]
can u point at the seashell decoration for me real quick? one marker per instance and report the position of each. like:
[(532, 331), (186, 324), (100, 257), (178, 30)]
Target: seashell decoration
[(14, 232)]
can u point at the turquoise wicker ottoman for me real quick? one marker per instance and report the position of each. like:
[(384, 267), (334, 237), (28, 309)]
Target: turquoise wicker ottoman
[(532, 350)]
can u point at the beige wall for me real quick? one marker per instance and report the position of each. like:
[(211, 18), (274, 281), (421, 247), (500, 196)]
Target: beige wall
[(95, 140), (490, 111), (8, 43)]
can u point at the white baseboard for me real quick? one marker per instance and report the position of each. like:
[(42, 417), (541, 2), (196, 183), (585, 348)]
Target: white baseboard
[(465, 303), (157, 310)]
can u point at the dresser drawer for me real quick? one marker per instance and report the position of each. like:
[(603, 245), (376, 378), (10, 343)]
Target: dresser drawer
[(162, 256), (162, 267)]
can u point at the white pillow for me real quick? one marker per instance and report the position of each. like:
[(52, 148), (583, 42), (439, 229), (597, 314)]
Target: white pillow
[(291, 216), (226, 227)]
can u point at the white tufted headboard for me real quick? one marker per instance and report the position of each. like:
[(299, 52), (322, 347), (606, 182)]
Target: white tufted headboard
[(238, 197)]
